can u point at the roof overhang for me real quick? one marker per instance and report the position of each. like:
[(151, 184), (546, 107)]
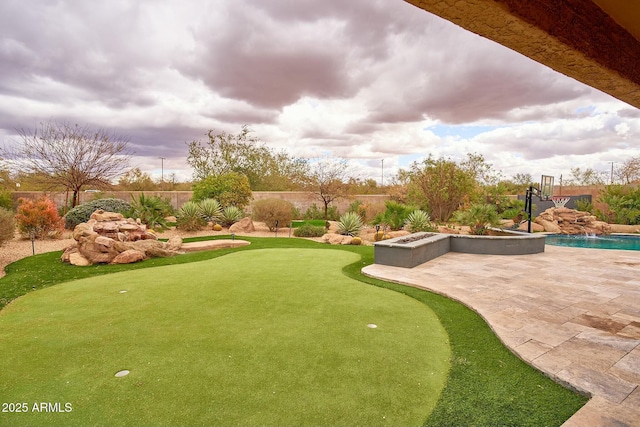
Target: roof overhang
[(596, 42)]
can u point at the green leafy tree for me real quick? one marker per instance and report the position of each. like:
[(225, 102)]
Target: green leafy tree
[(440, 186), (230, 189), (245, 154)]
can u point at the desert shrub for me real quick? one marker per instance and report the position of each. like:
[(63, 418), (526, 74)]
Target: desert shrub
[(514, 214), (350, 224), (395, 215), (82, 213), (230, 189), (308, 230), (271, 211), (231, 215), (6, 201), (584, 205), (479, 217), (189, 217), (151, 210), (359, 208), (313, 212), (623, 205), (38, 218), (419, 221), (211, 210), (7, 225)]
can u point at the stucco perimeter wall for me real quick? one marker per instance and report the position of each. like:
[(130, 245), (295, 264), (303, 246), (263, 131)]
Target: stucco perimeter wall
[(300, 199)]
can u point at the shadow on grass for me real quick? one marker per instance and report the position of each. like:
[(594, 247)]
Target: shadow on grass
[(487, 384)]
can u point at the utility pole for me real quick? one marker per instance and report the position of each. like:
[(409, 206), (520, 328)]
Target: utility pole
[(162, 173), (382, 176), (611, 173)]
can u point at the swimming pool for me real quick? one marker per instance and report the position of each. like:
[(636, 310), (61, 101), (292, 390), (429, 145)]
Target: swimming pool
[(612, 241)]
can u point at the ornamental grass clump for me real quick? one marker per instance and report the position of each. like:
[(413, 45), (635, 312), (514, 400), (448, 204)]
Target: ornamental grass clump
[(350, 224)]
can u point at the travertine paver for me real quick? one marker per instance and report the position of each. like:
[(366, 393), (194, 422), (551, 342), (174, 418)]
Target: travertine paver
[(572, 313)]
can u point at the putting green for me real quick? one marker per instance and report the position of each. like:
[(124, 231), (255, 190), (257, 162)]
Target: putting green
[(261, 337)]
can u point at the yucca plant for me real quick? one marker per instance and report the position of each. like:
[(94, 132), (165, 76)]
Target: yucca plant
[(350, 224), (211, 210), (231, 215), (189, 217), (419, 220)]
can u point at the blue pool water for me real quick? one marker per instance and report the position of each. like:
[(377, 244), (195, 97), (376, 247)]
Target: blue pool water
[(630, 243)]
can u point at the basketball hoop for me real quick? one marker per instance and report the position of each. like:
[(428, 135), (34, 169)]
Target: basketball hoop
[(560, 201)]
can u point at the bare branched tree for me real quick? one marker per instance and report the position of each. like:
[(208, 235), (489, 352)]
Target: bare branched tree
[(629, 171), (71, 156), (327, 181)]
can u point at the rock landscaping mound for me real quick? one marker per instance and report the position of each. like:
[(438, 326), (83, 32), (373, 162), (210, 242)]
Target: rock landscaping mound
[(109, 238), (571, 221)]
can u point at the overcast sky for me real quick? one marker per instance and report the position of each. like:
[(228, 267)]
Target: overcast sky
[(364, 80)]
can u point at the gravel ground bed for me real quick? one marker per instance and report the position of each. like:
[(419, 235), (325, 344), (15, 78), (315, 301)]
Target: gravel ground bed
[(19, 247)]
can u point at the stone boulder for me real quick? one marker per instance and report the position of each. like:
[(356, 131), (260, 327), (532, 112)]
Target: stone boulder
[(129, 256), (336, 239), (245, 225), (535, 227)]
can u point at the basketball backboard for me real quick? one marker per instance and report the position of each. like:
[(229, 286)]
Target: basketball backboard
[(546, 187)]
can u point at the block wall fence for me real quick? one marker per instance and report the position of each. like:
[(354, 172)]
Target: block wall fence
[(300, 199)]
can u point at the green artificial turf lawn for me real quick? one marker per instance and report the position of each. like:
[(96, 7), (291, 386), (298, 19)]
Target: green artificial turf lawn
[(487, 384), (260, 337), (314, 222)]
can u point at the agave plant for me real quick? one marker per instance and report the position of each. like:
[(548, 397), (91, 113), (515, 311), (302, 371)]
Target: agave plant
[(211, 210), (231, 215), (350, 224), (419, 220), (189, 217)]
